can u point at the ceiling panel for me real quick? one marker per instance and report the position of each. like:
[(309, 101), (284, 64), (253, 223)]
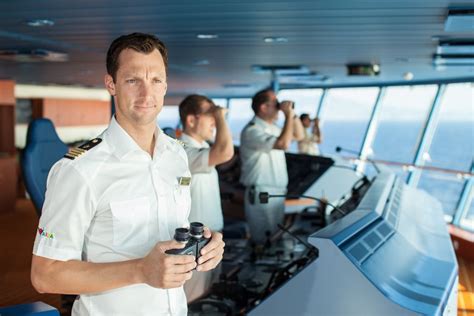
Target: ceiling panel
[(324, 35)]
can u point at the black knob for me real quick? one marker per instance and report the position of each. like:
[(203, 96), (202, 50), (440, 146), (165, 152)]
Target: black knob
[(196, 229), (181, 234), (263, 197)]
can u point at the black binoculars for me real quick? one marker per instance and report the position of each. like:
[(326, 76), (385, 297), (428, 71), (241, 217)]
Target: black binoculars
[(192, 237), (278, 104)]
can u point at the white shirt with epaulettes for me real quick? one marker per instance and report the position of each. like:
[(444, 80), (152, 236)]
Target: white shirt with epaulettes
[(262, 165), (114, 203)]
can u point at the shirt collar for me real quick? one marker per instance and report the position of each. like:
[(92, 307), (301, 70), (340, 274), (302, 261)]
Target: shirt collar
[(188, 140), (124, 144), (257, 120)]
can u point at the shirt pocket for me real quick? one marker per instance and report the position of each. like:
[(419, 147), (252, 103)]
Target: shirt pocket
[(130, 222), (182, 201)]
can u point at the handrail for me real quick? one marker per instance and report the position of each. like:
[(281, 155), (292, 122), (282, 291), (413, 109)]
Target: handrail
[(408, 166)]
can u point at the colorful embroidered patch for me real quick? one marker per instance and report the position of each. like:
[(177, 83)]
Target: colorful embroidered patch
[(44, 233)]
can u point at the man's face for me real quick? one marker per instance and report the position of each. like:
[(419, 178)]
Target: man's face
[(271, 107), (306, 122), (205, 125), (139, 88)]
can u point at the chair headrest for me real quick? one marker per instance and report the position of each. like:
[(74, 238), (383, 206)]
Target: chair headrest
[(41, 130)]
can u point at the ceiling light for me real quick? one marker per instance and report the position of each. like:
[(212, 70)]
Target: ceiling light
[(408, 76), (280, 69), (40, 22), (271, 39), (201, 62), (238, 85), (207, 36)]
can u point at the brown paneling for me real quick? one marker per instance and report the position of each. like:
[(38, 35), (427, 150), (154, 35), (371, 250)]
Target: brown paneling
[(8, 183), (7, 129), (463, 242), (7, 116), (72, 112), (19, 226), (7, 92)]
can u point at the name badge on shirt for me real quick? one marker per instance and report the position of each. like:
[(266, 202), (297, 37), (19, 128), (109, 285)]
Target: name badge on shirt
[(184, 180)]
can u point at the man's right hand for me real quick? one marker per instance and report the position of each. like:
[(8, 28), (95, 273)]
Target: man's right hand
[(287, 108), (161, 270), (220, 112)]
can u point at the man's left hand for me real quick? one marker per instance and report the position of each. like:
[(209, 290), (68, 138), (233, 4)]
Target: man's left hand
[(211, 254)]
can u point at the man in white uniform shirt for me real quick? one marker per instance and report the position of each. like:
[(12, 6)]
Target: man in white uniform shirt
[(262, 152), (309, 144), (112, 205), (201, 118)]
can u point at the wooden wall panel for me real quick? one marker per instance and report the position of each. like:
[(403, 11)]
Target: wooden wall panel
[(7, 92), (7, 116), (463, 242), (72, 112), (8, 183), (7, 129)]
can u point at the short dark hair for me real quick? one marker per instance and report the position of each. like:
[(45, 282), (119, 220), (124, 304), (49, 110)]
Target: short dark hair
[(259, 98), (191, 105), (304, 116), (140, 42)]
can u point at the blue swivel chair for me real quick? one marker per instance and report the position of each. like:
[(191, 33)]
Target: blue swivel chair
[(169, 131), (43, 148)]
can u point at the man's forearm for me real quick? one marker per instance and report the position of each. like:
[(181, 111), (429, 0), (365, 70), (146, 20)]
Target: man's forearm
[(223, 148), (298, 129), (284, 140), (79, 277)]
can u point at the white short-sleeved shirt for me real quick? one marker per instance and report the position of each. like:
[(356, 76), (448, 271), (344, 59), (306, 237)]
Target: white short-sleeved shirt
[(308, 144), (114, 203), (205, 196), (261, 164)]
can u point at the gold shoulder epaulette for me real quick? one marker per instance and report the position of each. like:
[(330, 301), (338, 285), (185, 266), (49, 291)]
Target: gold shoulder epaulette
[(75, 152), (180, 142)]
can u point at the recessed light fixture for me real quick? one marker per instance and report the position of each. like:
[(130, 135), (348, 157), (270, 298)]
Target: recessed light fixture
[(207, 36), (40, 22), (201, 62), (408, 76), (272, 39)]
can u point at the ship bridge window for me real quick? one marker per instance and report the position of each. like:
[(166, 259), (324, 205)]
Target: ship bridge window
[(452, 148), (345, 116), (169, 116), (220, 102), (306, 100), (403, 112), (240, 113), (467, 222)]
